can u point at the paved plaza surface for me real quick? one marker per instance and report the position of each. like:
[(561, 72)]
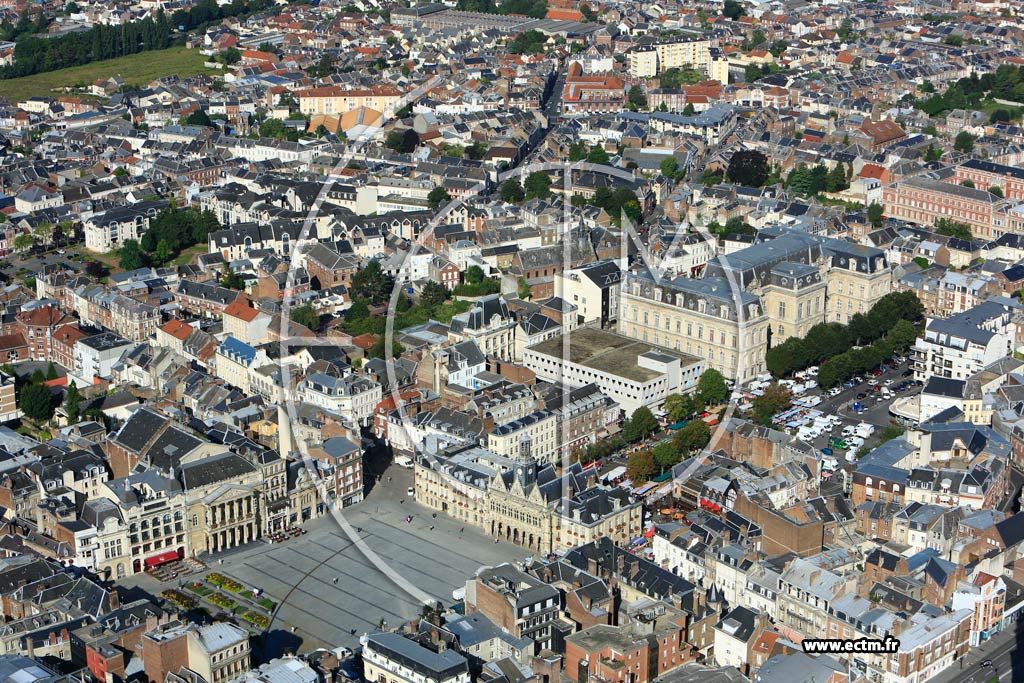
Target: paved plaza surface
[(325, 587)]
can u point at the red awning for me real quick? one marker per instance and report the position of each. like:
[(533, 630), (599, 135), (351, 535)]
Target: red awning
[(162, 558)]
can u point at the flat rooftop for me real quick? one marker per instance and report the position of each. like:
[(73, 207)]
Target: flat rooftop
[(610, 353)]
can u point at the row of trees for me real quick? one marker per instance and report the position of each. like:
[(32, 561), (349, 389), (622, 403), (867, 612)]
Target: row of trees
[(711, 391), (827, 340), (856, 361), (810, 180), (1005, 83), (37, 400), (537, 9), (172, 231), (34, 55), (643, 465), (527, 43), (695, 435), (950, 228)]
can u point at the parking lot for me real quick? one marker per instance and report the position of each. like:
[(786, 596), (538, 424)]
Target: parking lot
[(871, 410)]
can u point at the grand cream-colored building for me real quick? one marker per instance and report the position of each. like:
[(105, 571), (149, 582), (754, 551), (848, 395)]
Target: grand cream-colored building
[(701, 318), (755, 297), (516, 500)]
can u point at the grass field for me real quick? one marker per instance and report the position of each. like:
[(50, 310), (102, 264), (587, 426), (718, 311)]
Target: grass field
[(137, 69)]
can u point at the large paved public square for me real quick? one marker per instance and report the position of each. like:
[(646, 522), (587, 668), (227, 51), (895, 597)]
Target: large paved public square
[(326, 587)]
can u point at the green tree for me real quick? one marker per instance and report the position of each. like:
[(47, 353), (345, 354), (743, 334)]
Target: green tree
[(951, 228), (598, 155), (688, 110), (538, 185), (748, 167), (131, 256), (231, 280), (578, 151), (693, 437), (306, 316), (372, 284), (72, 403), (433, 295), (890, 432), (512, 192), (845, 31), (527, 43), (665, 455), (324, 67), (640, 467), (524, 292), (438, 196), (996, 190), (1000, 116), (36, 402), (273, 128), (474, 275), (737, 226), (358, 310), (198, 118), (24, 242), (51, 372), (403, 142), (875, 214), (637, 97), (964, 142), (163, 251), (669, 166), (379, 349), (775, 398), (968, 183), (229, 56), (680, 407), (733, 10), (921, 261), (641, 424), (711, 388)]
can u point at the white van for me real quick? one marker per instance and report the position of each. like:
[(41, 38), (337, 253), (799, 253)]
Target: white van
[(855, 442), (403, 461), (865, 430)]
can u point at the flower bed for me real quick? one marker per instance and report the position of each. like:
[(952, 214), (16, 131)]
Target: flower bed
[(267, 604), (198, 588), (221, 581), (221, 600), (180, 599), (257, 620)]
